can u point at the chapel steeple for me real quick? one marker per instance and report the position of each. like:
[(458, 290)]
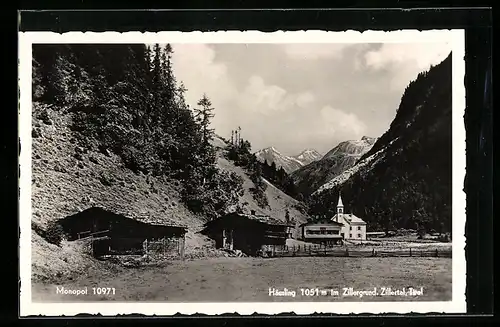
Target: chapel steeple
[(340, 207)]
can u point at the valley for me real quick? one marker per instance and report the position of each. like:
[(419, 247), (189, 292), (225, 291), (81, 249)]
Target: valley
[(111, 129)]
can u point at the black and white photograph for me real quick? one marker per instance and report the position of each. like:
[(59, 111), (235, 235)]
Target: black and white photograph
[(255, 170)]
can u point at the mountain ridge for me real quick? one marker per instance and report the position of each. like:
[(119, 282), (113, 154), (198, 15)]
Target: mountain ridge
[(308, 155), (288, 163), (340, 158)]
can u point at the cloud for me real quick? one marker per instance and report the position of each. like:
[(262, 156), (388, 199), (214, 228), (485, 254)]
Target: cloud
[(405, 61), (337, 122), (305, 99), (195, 66), (280, 100), (249, 106), (315, 51), (261, 97)]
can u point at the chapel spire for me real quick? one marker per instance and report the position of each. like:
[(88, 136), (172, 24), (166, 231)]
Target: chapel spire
[(340, 209), (340, 205)]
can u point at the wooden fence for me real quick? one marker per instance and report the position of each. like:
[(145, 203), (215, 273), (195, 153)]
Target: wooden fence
[(165, 247), (336, 251)]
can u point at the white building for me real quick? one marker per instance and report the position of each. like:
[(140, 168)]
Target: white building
[(322, 231), (354, 228)]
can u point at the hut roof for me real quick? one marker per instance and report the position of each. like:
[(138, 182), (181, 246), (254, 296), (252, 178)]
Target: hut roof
[(258, 218), (160, 220), (267, 220)]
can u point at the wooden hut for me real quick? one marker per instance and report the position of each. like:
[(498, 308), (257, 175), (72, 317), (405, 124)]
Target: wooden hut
[(249, 233), (115, 233)]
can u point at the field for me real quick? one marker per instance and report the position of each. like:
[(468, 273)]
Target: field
[(249, 279)]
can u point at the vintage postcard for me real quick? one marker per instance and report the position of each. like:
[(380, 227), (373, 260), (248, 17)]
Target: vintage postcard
[(242, 172)]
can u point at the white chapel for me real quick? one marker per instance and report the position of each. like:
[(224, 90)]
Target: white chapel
[(354, 228)]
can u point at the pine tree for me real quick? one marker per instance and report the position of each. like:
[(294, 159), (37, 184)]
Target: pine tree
[(203, 116)]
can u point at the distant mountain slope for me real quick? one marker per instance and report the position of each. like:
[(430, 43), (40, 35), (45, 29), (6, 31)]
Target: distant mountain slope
[(346, 174), (342, 157), (289, 163), (307, 156), (270, 155), (404, 180)]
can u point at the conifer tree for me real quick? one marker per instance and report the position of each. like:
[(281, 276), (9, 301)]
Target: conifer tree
[(203, 114)]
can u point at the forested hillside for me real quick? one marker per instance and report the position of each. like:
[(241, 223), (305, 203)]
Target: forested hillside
[(408, 181), (125, 99)]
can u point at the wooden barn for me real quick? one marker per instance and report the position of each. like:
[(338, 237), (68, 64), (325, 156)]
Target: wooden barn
[(249, 233), (114, 233)]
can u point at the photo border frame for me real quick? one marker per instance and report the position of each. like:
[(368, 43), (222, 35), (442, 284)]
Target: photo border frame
[(468, 244)]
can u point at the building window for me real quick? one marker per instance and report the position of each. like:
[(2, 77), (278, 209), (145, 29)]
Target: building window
[(359, 227), (350, 228), (350, 235), (359, 235)]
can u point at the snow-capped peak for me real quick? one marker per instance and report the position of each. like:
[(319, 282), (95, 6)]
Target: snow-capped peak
[(307, 156)]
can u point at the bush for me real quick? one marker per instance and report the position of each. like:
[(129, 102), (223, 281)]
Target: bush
[(54, 234), (259, 197)]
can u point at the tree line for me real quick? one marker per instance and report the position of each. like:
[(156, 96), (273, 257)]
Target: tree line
[(126, 99)]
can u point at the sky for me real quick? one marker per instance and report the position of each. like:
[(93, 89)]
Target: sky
[(302, 96)]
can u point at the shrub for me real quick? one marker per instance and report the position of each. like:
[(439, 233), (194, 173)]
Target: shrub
[(54, 234)]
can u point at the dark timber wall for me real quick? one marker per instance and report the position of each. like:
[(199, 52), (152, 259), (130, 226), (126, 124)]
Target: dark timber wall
[(116, 234), (245, 234)]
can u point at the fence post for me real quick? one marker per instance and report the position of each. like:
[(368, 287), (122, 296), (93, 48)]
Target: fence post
[(183, 244), (373, 252)]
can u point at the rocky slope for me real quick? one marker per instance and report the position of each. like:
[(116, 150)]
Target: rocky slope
[(404, 180), (342, 157)]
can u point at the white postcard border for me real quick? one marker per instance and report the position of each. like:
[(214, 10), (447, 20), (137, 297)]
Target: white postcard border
[(458, 304)]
